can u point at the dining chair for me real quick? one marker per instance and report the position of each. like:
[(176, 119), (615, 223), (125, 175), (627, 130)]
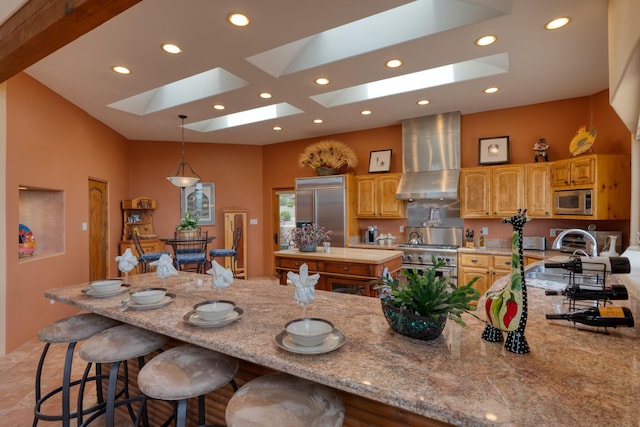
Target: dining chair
[(145, 258), (190, 253), (228, 252)]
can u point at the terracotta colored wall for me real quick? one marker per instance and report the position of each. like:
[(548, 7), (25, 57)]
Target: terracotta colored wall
[(53, 144), (236, 171), (558, 122)]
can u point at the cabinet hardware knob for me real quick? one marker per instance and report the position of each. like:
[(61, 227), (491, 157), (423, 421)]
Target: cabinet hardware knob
[(346, 268), (297, 264), (474, 260), (507, 262)]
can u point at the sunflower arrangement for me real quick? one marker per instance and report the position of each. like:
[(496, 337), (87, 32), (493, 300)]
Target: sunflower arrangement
[(329, 154)]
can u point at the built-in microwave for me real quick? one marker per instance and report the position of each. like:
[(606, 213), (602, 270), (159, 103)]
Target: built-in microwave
[(573, 202)]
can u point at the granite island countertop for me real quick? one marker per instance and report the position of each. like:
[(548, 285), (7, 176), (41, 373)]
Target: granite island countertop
[(570, 377)]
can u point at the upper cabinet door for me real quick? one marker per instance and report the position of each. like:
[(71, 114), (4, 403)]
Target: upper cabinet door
[(538, 190), (507, 190), (377, 196), (475, 192)]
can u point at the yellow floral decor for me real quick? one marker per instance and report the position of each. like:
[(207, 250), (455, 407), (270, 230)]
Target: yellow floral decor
[(328, 155)]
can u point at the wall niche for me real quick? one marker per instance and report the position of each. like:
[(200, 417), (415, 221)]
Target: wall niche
[(41, 223)]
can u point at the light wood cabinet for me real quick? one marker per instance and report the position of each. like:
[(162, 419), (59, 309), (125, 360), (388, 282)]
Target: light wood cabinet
[(488, 268), (234, 219), (138, 214), (376, 196), (492, 192), (538, 190), (607, 175), (579, 171)]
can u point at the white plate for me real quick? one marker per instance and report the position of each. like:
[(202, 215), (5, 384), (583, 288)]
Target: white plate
[(164, 301), (92, 293), (192, 318), (333, 342)]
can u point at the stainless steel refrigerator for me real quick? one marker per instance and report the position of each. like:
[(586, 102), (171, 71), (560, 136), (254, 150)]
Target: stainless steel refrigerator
[(322, 200)]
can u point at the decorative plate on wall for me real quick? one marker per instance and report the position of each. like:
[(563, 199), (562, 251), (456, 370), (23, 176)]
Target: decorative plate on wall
[(26, 241)]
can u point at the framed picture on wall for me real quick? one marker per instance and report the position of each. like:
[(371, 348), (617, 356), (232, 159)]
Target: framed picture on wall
[(380, 161), (199, 200), (493, 151)]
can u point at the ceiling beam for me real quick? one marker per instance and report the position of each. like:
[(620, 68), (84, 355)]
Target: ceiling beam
[(41, 27)]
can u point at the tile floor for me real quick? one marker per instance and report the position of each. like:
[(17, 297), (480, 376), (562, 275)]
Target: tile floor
[(18, 371)]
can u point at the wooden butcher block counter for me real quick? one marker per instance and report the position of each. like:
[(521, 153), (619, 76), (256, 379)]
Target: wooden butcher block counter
[(347, 270)]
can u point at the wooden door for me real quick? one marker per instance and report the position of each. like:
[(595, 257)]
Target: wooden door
[(538, 190), (507, 190), (366, 196), (98, 230), (475, 188)]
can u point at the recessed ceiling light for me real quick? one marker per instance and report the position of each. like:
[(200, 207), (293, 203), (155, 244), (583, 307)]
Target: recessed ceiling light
[(277, 128), (218, 107), (393, 63), (423, 102), (121, 70), (556, 23), (265, 95), (322, 81), (239, 20), (171, 48), (317, 121), (491, 90), (486, 40), (365, 112)]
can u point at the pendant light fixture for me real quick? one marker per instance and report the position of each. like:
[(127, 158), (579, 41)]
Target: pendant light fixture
[(179, 178)]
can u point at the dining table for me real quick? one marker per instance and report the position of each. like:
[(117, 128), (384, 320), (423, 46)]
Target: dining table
[(570, 376)]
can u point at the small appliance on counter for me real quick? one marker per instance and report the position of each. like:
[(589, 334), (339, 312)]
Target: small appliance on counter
[(534, 243), (572, 242), (371, 235)]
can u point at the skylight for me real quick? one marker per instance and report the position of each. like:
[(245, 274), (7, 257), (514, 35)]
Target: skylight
[(245, 117), (411, 21), (439, 76), (208, 83)]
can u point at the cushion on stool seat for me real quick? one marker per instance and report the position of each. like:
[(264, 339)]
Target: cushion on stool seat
[(285, 401), (184, 372), (75, 328), (120, 343)]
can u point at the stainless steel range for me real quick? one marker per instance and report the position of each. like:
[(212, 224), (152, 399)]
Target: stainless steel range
[(424, 243)]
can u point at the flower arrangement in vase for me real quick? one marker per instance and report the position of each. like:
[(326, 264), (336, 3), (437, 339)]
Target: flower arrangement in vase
[(308, 236), (420, 307), (326, 157)]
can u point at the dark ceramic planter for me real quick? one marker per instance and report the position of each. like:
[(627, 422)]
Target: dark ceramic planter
[(323, 171), (412, 325), (308, 248)]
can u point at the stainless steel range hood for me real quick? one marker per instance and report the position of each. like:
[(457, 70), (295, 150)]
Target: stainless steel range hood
[(431, 157)]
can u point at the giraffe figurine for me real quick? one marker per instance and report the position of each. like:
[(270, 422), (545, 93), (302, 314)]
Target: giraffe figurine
[(507, 308)]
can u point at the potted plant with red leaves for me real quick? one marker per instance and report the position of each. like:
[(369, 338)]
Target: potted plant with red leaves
[(420, 306)]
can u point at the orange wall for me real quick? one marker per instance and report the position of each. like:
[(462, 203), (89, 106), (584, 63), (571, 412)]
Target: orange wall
[(53, 144), (236, 171)]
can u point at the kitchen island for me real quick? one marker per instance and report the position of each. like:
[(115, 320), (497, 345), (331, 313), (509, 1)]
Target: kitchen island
[(348, 270), (570, 377)]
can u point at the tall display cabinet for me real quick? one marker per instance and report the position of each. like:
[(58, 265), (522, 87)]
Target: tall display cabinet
[(236, 218)]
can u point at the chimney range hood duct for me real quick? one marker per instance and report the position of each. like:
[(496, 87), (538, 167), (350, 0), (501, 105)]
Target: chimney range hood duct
[(431, 157)]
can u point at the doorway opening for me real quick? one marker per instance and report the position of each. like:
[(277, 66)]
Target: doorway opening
[(284, 218)]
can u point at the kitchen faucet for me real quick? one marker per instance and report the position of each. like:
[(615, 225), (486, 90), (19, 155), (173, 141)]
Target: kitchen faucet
[(594, 245)]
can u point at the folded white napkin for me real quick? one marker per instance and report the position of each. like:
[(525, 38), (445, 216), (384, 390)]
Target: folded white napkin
[(222, 277), (164, 267), (305, 284), (127, 261)]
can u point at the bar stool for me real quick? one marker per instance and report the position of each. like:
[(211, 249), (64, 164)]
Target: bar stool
[(285, 401), (68, 331), (117, 345), (228, 253), (184, 372)]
